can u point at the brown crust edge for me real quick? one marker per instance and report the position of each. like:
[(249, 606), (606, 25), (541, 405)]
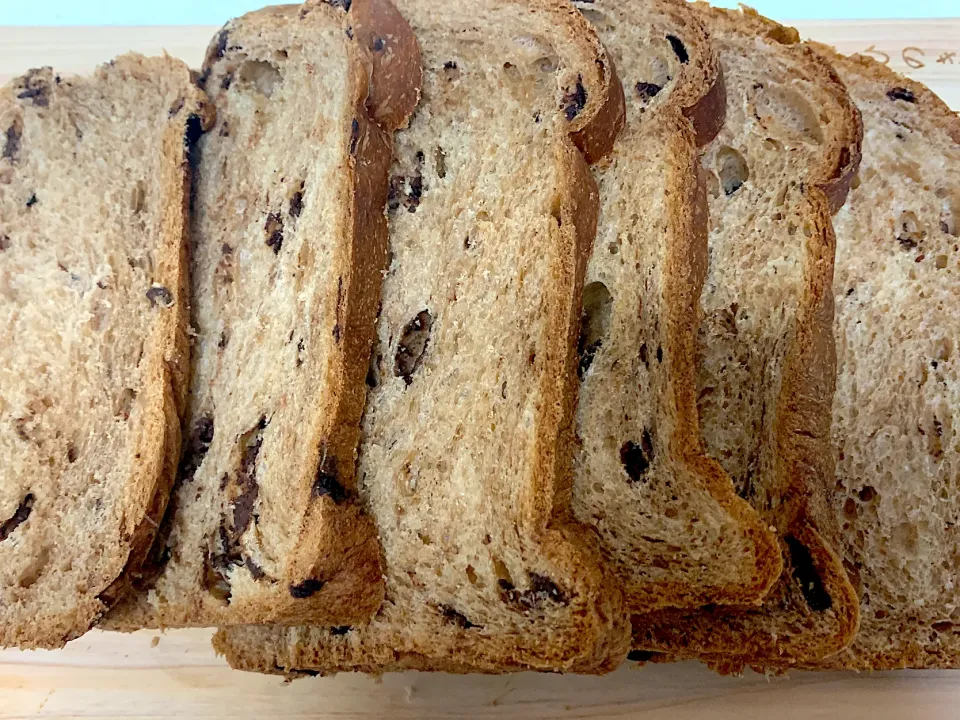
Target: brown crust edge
[(803, 430), (174, 369), (337, 543)]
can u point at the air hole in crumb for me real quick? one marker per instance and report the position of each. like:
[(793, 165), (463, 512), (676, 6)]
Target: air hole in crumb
[(732, 169), (440, 160), (263, 76), (598, 19), (124, 403), (807, 577), (950, 214), (867, 493), (547, 63), (412, 346), (909, 231), (943, 626), (34, 570), (679, 49), (556, 208), (597, 304), (511, 71), (139, 197), (786, 114), (471, 575), (636, 458), (72, 453), (501, 571)]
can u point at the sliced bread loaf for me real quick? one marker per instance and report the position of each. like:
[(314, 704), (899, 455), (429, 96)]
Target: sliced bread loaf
[(780, 166), (897, 290), (668, 516), (289, 246), (94, 184), (467, 456)]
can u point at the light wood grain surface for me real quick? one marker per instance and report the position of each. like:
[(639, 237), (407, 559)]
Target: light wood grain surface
[(176, 675)]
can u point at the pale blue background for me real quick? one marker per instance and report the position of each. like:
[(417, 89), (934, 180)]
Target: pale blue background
[(216, 12)]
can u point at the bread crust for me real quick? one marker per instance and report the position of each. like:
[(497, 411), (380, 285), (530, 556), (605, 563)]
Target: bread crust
[(729, 639), (335, 539), (914, 648), (156, 442), (544, 524)]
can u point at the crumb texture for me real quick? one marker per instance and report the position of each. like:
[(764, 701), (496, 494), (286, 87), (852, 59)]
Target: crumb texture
[(767, 374), (466, 434), (264, 525), (93, 314), (667, 516), (897, 287)]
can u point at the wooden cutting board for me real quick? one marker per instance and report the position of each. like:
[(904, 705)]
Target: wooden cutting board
[(176, 675)]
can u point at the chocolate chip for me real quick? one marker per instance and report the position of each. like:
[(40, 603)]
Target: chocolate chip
[(354, 135), (414, 193), (19, 517), (575, 100), (636, 459), (273, 230), (450, 65), (160, 296), (647, 91), (542, 590), (255, 570), (640, 655), (679, 48), (907, 242), (456, 618), (192, 133), (227, 81), (222, 39), (807, 577), (306, 589), (296, 202), (32, 200), (597, 305), (378, 44), (340, 4), (247, 490), (373, 371), (326, 483), (35, 88), (901, 93), (395, 192), (300, 349), (412, 346), (197, 447), (216, 578), (340, 630), (224, 339), (11, 147)]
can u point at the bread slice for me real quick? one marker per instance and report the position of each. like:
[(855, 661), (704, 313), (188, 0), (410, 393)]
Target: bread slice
[(290, 243), (667, 515), (783, 162), (94, 183), (897, 286), (467, 456)]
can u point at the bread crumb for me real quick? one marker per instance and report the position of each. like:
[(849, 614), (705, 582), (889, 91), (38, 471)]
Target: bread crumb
[(155, 641)]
